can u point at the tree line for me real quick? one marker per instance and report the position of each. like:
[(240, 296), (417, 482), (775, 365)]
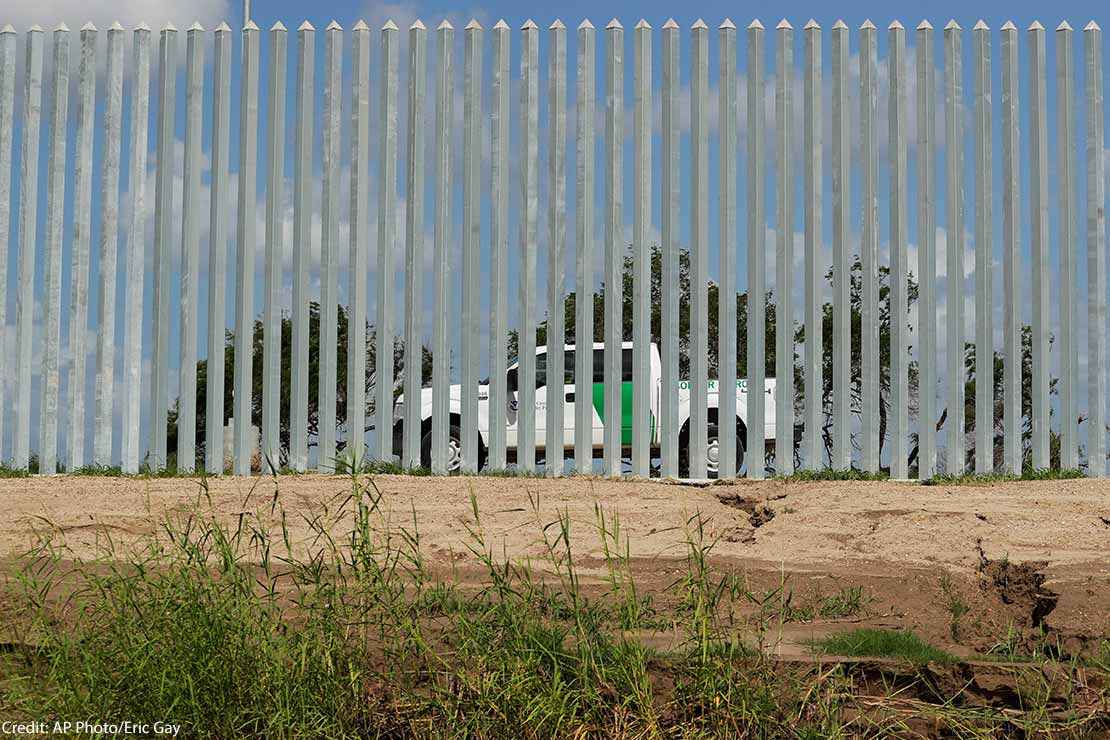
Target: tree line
[(598, 298)]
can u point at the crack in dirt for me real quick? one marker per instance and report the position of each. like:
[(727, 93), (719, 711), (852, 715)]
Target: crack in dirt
[(1018, 584)]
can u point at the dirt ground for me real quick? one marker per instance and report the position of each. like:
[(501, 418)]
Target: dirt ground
[(1030, 556)]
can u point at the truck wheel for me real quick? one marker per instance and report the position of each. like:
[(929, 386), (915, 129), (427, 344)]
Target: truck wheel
[(712, 452), (454, 450)]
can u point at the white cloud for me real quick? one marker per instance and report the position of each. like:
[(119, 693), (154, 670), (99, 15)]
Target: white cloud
[(155, 13)]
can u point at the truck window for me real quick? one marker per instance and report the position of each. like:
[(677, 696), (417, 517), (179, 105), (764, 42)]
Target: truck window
[(541, 369), (626, 365), (568, 367)]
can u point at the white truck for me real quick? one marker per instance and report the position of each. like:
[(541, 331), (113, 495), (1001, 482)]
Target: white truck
[(566, 445)]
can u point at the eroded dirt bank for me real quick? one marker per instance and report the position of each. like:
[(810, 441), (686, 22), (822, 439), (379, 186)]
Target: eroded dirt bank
[(963, 566)]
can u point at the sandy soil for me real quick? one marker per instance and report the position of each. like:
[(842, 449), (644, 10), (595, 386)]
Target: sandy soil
[(898, 541)]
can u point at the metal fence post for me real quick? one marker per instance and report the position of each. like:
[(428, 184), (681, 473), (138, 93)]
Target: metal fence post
[(1012, 451), (329, 246), (984, 255), (556, 246), (954, 244), (927, 253), (784, 250), (52, 247), (163, 221), (387, 203), (1065, 187), (190, 248), (671, 153), (726, 297), (1096, 253), (814, 254), (242, 440), (441, 355), (757, 230), (472, 245), (869, 251), (136, 252), (842, 252), (1038, 230), (302, 246), (275, 253), (414, 243), (698, 339), (899, 267), (499, 246), (79, 261), (359, 245), (528, 245), (641, 277), (584, 244), (217, 250), (7, 106), (614, 243)]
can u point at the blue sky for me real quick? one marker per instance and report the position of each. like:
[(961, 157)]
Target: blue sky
[(210, 12)]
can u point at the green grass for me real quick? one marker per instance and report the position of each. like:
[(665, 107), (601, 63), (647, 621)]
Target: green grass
[(805, 476), (875, 643), (6, 471), (980, 479)]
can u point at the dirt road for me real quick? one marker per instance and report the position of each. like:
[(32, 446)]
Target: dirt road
[(912, 548)]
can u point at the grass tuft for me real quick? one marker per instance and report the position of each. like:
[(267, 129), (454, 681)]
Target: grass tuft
[(875, 643), (850, 474), (987, 479)]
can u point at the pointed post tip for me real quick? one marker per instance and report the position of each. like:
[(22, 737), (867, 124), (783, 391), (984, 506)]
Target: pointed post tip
[(614, 25), (840, 25), (1064, 26), (951, 25), (811, 25), (557, 25), (784, 25), (643, 25), (445, 25), (980, 25), (333, 26), (88, 27), (474, 25), (223, 27), (895, 25), (1036, 26), (389, 25), (670, 24), (529, 25), (360, 25), (1092, 26), (755, 25), (250, 26), (867, 25), (278, 27), (306, 26), (501, 25), (1009, 26)]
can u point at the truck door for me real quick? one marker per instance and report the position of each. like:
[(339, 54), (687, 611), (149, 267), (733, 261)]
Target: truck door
[(541, 398), (623, 415)]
